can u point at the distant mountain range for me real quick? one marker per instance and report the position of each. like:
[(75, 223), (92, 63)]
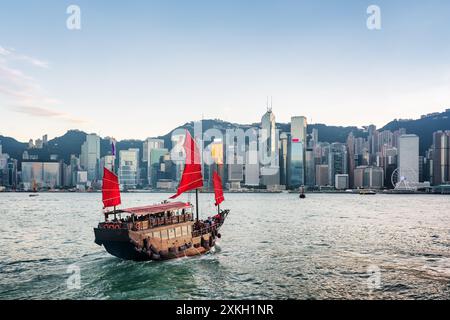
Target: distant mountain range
[(70, 143)]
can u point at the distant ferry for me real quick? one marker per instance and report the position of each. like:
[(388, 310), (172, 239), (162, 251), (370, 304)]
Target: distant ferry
[(367, 192), (162, 231)]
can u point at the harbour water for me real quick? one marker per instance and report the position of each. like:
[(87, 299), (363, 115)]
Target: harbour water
[(274, 246)]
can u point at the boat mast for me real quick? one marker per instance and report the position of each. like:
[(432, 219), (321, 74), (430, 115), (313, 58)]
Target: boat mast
[(218, 205), (196, 202)]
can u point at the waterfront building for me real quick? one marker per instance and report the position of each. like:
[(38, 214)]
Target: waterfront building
[(351, 157), (310, 168), (39, 175), (3, 167), (270, 170), (81, 180), (322, 177), (341, 181), (66, 176), (373, 178), (408, 158), (296, 164), (235, 174), (358, 177), (337, 161), (90, 156), (296, 152), (441, 157), (129, 168), (284, 144), (252, 168)]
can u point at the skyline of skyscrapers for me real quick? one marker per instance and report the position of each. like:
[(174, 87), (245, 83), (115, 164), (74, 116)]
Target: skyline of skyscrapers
[(274, 160)]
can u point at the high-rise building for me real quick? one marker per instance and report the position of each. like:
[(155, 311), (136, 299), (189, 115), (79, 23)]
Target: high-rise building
[(337, 161), (284, 169), (310, 168), (373, 178), (358, 177), (90, 156), (296, 152), (154, 164), (296, 164), (252, 168), (298, 129), (351, 157), (322, 177), (129, 168), (270, 170), (314, 137), (148, 146), (41, 175), (235, 166), (408, 158), (441, 157)]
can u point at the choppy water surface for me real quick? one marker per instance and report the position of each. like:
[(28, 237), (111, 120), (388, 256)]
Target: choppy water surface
[(273, 246)]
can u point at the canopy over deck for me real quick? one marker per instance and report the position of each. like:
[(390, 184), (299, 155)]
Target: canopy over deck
[(157, 208)]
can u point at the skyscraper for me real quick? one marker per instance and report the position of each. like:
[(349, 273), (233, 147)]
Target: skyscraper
[(296, 164), (441, 157), (90, 156), (270, 171), (129, 168), (351, 158), (298, 129), (284, 144), (147, 148), (408, 158), (154, 164), (252, 165), (310, 168), (322, 178), (337, 161), (297, 148)]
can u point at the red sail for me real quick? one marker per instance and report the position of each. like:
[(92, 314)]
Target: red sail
[(218, 191), (110, 189), (192, 174)]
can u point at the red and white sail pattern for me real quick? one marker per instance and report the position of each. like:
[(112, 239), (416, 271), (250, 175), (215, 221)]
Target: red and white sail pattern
[(218, 191), (192, 174), (110, 189)]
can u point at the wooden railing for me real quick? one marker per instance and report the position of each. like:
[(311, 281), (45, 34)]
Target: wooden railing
[(202, 231), (156, 222)]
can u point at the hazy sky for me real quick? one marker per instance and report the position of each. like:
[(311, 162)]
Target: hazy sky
[(140, 68)]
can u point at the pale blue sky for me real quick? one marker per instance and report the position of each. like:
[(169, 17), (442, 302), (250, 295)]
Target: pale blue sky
[(140, 68)]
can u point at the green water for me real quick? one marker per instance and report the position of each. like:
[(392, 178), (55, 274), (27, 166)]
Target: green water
[(273, 246)]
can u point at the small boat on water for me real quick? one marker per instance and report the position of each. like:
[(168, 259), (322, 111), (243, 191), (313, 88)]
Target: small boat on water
[(367, 192), (302, 192), (163, 231)]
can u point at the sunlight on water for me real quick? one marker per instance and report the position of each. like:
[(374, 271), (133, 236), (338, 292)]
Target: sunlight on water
[(273, 246)]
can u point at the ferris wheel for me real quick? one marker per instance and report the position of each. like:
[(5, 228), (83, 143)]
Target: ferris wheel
[(401, 179)]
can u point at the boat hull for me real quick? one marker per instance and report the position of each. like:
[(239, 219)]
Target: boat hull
[(126, 245)]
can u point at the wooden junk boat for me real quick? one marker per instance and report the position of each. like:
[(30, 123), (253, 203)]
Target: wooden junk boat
[(163, 231)]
